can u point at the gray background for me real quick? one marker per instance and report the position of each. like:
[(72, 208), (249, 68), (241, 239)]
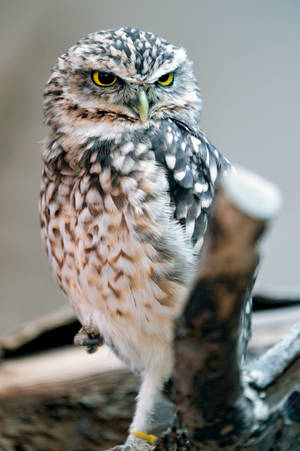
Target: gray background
[(246, 56)]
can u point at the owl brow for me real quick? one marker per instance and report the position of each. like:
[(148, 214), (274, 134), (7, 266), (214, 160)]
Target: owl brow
[(174, 71), (178, 68), (81, 72)]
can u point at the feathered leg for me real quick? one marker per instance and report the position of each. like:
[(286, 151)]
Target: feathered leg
[(156, 373)]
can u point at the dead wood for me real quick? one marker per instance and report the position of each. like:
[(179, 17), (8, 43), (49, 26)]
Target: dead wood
[(220, 405)]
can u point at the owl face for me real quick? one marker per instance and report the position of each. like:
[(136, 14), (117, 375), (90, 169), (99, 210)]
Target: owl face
[(123, 77)]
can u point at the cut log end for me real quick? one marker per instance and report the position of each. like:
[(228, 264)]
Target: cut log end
[(252, 194)]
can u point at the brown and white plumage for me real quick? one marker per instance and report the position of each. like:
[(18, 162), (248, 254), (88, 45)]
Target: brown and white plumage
[(127, 183)]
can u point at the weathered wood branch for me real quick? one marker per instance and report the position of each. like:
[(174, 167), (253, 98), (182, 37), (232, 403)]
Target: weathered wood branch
[(218, 408), (264, 371), (208, 367), (67, 399), (72, 413)]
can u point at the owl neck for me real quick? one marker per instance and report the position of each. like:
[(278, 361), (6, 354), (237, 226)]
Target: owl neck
[(66, 153), (75, 145)]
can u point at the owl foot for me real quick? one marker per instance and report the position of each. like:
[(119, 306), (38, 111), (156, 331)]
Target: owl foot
[(89, 338)]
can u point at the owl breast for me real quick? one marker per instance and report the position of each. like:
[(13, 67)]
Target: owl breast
[(115, 249)]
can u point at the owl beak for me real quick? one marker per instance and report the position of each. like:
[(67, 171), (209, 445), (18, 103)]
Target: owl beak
[(143, 103)]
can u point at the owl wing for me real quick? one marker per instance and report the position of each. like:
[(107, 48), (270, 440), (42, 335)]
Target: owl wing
[(193, 165)]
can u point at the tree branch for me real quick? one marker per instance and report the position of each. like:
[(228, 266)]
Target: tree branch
[(218, 409)]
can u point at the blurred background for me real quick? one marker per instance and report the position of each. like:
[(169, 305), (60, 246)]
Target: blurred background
[(247, 59)]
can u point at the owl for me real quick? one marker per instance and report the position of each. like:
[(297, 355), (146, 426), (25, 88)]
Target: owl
[(127, 184)]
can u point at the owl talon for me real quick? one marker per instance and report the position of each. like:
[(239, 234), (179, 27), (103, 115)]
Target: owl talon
[(92, 349), (91, 340)]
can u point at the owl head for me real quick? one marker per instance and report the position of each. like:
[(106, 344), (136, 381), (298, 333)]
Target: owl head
[(120, 78)]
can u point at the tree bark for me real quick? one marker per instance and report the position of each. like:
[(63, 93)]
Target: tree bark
[(219, 405)]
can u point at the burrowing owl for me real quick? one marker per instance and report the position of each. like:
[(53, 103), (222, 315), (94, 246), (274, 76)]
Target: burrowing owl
[(127, 183)]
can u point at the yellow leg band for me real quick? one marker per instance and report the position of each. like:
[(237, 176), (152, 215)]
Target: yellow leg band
[(147, 437)]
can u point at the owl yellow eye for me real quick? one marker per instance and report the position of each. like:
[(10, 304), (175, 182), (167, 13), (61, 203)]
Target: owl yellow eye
[(166, 80), (103, 78)]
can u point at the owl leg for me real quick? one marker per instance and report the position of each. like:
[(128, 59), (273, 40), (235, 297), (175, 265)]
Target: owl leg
[(157, 372), (88, 337)]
